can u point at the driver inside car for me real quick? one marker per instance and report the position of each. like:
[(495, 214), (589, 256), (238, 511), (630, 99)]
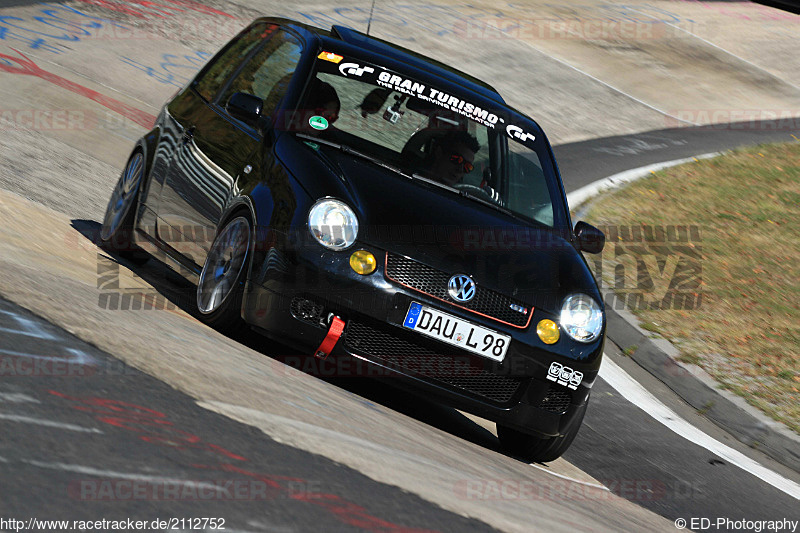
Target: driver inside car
[(322, 102), (453, 158)]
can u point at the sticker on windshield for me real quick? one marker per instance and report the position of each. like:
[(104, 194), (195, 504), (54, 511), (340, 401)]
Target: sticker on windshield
[(429, 94), (385, 78), (318, 123), (564, 375), (330, 56), (515, 132), (354, 69)]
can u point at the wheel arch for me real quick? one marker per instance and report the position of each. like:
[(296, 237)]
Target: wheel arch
[(240, 204), (146, 144)]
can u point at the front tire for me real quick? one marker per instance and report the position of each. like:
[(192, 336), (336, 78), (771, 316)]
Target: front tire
[(540, 449), (116, 233), (219, 291)]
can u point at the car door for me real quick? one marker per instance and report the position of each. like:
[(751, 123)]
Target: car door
[(216, 149)]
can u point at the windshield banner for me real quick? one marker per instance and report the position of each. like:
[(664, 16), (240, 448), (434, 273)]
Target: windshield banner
[(381, 77)]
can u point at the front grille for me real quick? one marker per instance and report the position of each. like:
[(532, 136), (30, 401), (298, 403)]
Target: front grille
[(556, 401), (434, 283), (447, 365)]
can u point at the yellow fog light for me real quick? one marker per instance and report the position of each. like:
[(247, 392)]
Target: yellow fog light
[(548, 331), (363, 262)]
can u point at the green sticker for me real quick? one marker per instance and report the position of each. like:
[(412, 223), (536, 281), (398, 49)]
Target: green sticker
[(318, 123)]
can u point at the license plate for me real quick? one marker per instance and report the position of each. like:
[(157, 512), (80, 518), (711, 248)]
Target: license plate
[(456, 331)]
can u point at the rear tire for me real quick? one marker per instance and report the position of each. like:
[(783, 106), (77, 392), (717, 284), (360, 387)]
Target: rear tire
[(116, 233), (540, 449), (221, 285)]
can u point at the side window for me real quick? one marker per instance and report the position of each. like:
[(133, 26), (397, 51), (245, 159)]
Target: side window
[(481, 158), (268, 72), (528, 190), (213, 77)]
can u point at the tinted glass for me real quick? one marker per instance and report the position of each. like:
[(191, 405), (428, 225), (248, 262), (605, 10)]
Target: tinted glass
[(418, 129), (214, 76), (268, 72)]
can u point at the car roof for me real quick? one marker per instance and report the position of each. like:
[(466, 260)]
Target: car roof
[(378, 51)]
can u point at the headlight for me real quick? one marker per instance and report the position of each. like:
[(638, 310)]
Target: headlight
[(581, 318), (333, 224)]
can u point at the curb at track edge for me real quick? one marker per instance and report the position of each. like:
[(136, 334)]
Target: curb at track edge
[(658, 356)]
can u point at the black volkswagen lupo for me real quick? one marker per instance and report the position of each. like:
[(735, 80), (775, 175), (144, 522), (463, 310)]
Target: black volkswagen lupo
[(356, 200)]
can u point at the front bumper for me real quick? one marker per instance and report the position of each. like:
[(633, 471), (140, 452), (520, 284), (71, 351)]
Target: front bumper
[(294, 290)]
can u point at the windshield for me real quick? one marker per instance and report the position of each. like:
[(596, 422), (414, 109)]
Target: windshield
[(435, 136)]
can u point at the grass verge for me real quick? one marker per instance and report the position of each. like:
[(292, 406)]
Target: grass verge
[(711, 252)]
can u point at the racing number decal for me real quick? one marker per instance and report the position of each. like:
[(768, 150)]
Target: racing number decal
[(564, 375)]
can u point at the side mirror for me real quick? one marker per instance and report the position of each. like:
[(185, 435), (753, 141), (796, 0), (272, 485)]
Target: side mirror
[(590, 239), (245, 107)]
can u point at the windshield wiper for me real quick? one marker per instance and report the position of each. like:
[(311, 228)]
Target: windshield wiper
[(484, 201), (465, 194), (352, 151)]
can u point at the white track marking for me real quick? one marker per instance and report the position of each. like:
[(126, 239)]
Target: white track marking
[(89, 471), (47, 423), (620, 91), (30, 327), (578, 196), (17, 397), (570, 479), (635, 393), (3, 459), (22, 332), (80, 358)]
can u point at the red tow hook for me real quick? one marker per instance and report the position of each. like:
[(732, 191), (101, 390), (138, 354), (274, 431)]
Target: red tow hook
[(332, 337)]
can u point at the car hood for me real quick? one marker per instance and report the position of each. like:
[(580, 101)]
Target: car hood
[(443, 230)]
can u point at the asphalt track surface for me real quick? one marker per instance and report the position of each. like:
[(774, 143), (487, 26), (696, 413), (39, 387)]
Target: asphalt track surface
[(105, 433), (582, 163), (81, 430)]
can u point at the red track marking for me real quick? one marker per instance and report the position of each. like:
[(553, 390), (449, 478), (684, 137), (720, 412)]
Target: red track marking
[(141, 419), (152, 426), (347, 512), (29, 68), (152, 8)]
